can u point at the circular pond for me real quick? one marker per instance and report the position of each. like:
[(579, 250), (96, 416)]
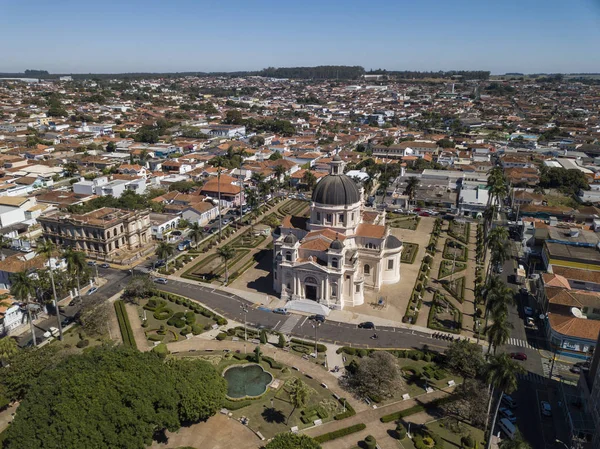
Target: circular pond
[(246, 381)]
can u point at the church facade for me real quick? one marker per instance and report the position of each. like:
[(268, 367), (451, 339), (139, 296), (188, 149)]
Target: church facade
[(339, 251)]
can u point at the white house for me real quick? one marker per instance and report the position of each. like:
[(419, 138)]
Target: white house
[(200, 213)]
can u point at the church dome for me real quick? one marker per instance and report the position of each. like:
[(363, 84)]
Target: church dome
[(290, 239), (336, 190), (336, 245)]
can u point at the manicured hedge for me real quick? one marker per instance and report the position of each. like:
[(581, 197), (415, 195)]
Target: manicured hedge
[(235, 405), (320, 347), (416, 409), (349, 410), (124, 324), (340, 433), (272, 363), (194, 306)]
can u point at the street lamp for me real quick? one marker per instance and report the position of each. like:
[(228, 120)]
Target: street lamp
[(316, 325), (244, 311)]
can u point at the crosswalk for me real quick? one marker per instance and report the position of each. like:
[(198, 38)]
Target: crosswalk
[(520, 343), (289, 324), (533, 377)]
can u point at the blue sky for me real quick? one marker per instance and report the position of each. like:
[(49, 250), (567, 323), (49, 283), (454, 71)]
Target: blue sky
[(198, 35)]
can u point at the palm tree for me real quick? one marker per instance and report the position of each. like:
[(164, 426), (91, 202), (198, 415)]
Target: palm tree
[(501, 375), (497, 242), (47, 248), (75, 265), (411, 188), (309, 179), (517, 443), (299, 394), (279, 171), (498, 332), (164, 250), (195, 232), (258, 179), (226, 253), (23, 288)]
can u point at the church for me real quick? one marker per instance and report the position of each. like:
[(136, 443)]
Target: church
[(339, 251)]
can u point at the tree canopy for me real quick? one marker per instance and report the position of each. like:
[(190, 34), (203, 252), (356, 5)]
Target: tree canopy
[(465, 358), (567, 181), (114, 398), (377, 374)]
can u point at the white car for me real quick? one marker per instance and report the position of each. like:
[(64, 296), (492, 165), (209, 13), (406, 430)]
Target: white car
[(546, 408)]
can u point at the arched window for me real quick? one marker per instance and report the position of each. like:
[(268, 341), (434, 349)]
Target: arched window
[(107, 234), (288, 256), (334, 288), (334, 262), (310, 280), (367, 269)]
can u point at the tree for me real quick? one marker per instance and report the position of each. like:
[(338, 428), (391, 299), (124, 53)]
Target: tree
[(471, 402), (47, 248), (257, 354), (412, 185), (23, 288), (111, 146), (498, 332), (290, 440), (70, 169), (95, 315), (195, 232), (299, 394), (257, 141), (465, 358), (182, 186), (309, 179), (149, 396), (377, 374), (76, 265), (8, 348), (282, 342), (226, 253), (446, 143), (164, 250), (26, 367), (502, 376), (139, 287)]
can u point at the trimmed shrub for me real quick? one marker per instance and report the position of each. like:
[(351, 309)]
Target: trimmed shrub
[(400, 431), (82, 343), (124, 324), (340, 433), (263, 337), (163, 314), (300, 348), (320, 347), (190, 317), (272, 362), (370, 442), (467, 440), (196, 329), (221, 336), (362, 353), (155, 337), (161, 349)]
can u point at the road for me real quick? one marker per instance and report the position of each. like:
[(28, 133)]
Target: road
[(230, 306), (116, 281)]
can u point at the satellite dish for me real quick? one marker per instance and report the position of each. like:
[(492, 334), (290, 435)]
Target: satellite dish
[(576, 312)]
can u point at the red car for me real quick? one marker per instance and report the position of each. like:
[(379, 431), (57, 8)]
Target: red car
[(518, 356), (424, 214)]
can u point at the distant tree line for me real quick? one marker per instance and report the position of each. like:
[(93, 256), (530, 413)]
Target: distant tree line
[(319, 72), (410, 74)]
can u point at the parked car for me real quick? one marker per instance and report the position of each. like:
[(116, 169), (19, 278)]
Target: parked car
[(54, 331), (508, 400), (318, 317), (424, 214), (91, 263), (104, 265), (528, 311), (161, 281), (529, 322), (546, 408), (508, 414), (92, 290), (518, 355), (366, 325), (281, 311)]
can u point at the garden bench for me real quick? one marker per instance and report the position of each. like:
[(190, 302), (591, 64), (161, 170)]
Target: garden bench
[(405, 397), (451, 383), (294, 429)]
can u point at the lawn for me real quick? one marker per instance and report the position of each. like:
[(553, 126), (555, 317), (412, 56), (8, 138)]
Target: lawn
[(416, 373), (456, 288), (410, 222), (446, 268), (272, 412), (443, 316), (450, 432), (409, 253), (459, 230), (247, 240), (160, 323), (453, 248), (212, 267), (293, 207)]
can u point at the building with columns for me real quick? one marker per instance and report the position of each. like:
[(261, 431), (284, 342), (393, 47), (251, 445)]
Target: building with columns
[(340, 251), (105, 233)]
